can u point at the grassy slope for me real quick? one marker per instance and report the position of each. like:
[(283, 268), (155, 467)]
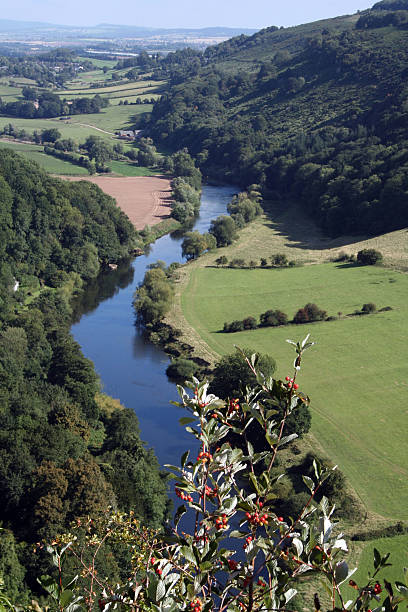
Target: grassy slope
[(355, 376), (358, 389)]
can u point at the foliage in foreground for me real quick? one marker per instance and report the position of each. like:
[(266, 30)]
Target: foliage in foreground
[(235, 553)]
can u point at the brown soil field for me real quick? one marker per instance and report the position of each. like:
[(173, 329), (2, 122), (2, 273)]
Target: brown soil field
[(145, 199)]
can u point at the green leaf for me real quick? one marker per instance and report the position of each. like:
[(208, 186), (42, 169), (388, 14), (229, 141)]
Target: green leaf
[(187, 420), (309, 483), (184, 458), (187, 552), (66, 598), (254, 482), (238, 534), (180, 511), (206, 566), (48, 584), (377, 558), (160, 590)]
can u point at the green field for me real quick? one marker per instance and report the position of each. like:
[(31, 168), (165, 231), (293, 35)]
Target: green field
[(357, 373), (138, 86), (109, 119), (398, 549), (125, 169), (48, 162), (99, 63)]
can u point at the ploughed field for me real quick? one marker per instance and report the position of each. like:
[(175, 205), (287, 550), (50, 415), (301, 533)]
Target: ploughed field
[(145, 200), (356, 375)]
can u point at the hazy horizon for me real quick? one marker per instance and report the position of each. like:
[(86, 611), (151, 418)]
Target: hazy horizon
[(179, 13)]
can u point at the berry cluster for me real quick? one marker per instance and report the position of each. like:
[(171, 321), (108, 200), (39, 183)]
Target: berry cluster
[(203, 456), (233, 406), (221, 522), (257, 519), (291, 383), (247, 581), (209, 492), (183, 496), (377, 588), (233, 565), (196, 605), (248, 540)]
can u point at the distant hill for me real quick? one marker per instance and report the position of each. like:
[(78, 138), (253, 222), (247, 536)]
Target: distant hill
[(116, 30), (317, 112)]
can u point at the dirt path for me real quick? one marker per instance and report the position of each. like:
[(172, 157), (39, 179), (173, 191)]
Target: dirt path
[(145, 199), (95, 128)]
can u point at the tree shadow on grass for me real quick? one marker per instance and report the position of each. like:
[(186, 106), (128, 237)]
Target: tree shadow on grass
[(290, 222)]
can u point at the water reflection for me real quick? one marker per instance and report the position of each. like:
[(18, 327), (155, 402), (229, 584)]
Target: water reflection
[(105, 286)]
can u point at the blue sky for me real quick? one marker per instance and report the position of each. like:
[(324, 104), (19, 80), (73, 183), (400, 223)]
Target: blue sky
[(180, 13)]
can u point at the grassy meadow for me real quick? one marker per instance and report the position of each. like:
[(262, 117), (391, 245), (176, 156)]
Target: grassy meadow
[(47, 162), (356, 375)]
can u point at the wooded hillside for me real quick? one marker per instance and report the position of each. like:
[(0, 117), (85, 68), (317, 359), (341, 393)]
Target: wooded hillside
[(318, 113), (65, 449)]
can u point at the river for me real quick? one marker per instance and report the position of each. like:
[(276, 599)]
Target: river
[(132, 369)]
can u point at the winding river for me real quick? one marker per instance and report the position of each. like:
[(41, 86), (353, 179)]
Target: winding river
[(132, 369)]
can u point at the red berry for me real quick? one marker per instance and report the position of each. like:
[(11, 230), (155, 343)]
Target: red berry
[(280, 519), (296, 386)]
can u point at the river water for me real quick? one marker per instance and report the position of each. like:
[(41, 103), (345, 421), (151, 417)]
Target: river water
[(132, 369)]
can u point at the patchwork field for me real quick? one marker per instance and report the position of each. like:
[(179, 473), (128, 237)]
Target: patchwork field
[(145, 200)]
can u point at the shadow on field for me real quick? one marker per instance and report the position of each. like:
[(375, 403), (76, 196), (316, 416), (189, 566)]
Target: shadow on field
[(290, 222)]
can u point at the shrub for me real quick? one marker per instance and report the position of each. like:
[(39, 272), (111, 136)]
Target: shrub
[(221, 261), (273, 318), (235, 326), (238, 263), (309, 313), (301, 317), (369, 308), (249, 323), (279, 259), (369, 257), (231, 373), (181, 368)]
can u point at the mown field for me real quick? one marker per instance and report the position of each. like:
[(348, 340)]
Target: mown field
[(357, 373)]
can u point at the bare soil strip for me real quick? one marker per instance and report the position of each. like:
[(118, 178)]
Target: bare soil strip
[(145, 199)]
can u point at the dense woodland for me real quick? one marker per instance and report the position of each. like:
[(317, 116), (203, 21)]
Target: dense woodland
[(316, 113), (65, 449)]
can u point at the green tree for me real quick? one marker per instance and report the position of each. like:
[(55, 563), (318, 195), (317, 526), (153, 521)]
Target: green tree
[(224, 230), (50, 135), (232, 375), (369, 257)]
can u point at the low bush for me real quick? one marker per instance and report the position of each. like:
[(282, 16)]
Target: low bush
[(181, 369)]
